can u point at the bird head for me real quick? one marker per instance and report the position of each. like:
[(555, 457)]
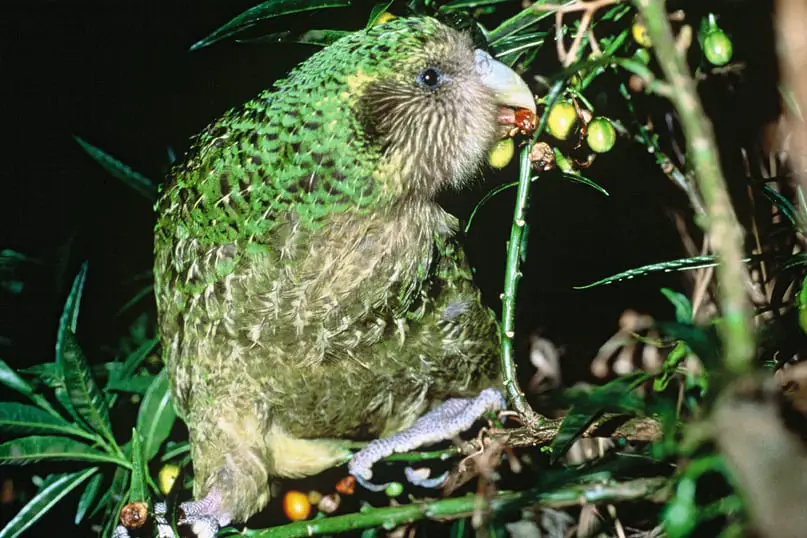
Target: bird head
[(425, 101), (433, 102)]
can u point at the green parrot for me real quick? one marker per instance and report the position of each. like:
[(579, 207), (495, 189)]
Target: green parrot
[(309, 286)]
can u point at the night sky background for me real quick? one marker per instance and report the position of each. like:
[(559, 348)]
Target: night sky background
[(119, 75)]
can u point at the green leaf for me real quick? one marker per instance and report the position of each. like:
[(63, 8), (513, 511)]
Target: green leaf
[(156, 416), (138, 491), (88, 497), (488, 195), (16, 418), (524, 19), (685, 264), (616, 396), (458, 528), (51, 447), (573, 176), (264, 11), (782, 203), (69, 319), (47, 372), (138, 182), (321, 38), (114, 500), (683, 308), (44, 500), (133, 362), (137, 297), (174, 450), (519, 43), (467, 4), (84, 394), (376, 12), (135, 385), (12, 380), (703, 341)]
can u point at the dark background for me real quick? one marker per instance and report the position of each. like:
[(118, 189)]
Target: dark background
[(119, 74)]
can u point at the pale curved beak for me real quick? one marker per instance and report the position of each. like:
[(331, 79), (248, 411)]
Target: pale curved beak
[(509, 88)]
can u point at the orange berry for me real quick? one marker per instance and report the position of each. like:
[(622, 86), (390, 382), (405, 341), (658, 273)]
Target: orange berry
[(296, 505)]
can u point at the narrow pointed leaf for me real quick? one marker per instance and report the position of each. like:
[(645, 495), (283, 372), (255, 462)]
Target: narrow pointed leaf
[(571, 176), (51, 447), (133, 361), (320, 38), (69, 319), (685, 264), (264, 11), (488, 195), (376, 12), (16, 418), (44, 500), (12, 380), (156, 416), (138, 182), (138, 491), (519, 43), (118, 495), (683, 307), (615, 397), (134, 385), (85, 395), (467, 4), (88, 497), (47, 372), (524, 19), (137, 297)]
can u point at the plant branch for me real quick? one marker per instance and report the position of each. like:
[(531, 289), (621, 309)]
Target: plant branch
[(720, 223), (461, 507)]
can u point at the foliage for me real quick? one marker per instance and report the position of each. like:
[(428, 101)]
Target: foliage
[(115, 425)]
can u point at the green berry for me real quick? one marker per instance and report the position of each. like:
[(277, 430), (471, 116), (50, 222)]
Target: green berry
[(562, 118), (601, 135), (717, 48), (394, 489), (642, 55)]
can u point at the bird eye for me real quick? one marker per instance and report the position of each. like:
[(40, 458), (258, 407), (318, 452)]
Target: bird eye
[(431, 77)]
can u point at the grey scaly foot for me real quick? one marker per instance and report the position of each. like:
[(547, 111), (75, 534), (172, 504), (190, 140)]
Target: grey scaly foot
[(205, 516), (448, 420), (202, 516)]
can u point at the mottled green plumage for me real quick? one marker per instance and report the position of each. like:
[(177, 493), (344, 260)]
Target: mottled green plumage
[(308, 284)]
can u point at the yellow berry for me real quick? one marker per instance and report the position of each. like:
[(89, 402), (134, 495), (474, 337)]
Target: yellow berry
[(640, 35), (168, 475), (562, 119), (314, 497), (296, 505), (502, 153)]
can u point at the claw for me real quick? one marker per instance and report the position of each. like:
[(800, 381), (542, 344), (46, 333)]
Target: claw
[(422, 480), (448, 420), (201, 516)]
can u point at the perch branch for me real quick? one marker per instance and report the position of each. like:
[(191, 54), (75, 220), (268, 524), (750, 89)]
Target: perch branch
[(461, 507)]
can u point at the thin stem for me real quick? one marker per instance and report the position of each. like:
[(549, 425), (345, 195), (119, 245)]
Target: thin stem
[(511, 278), (721, 222), (462, 507), (512, 273)]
